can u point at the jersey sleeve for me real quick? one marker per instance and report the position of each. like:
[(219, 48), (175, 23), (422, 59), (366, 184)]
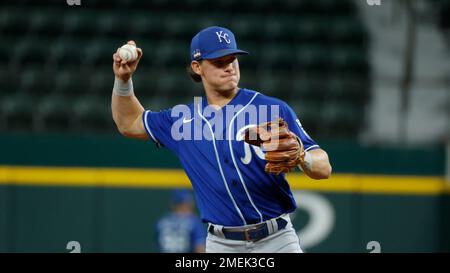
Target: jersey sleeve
[(296, 127), (158, 127)]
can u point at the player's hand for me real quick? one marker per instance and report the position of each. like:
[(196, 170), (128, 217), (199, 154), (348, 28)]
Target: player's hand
[(284, 150), (121, 68)]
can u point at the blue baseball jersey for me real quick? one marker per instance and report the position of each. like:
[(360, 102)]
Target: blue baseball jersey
[(180, 233), (227, 174)]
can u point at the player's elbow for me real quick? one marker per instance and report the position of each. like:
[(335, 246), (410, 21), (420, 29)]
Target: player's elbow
[(120, 125), (326, 173), (322, 173), (131, 133), (123, 130)]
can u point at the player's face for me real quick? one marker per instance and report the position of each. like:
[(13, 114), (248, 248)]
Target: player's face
[(221, 74)]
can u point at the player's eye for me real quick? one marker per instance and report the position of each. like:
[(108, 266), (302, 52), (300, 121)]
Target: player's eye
[(222, 63), (218, 63)]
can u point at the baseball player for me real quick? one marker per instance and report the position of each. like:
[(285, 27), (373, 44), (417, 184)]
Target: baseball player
[(181, 231), (235, 145)]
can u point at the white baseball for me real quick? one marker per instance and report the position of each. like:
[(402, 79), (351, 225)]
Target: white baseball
[(128, 53)]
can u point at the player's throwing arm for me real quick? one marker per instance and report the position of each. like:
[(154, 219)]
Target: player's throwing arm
[(126, 108)]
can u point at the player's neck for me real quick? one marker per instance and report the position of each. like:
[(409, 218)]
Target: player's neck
[(220, 98)]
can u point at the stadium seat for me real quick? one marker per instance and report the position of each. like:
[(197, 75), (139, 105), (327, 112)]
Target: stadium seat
[(69, 53), (168, 84), (310, 87), (53, 113), (159, 103), (98, 52), (43, 23), (321, 7), (18, 109), (230, 6), (92, 113), (263, 6), (347, 30), (313, 57), (341, 118), (311, 29), (81, 25), (349, 89), (277, 57), (309, 114), (248, 27), (149, 26), (32, 52), (179, 27), (351, 59), (5, 54), (38, 4), (72, 82), (280, 29), (170, 54), (101, 83), (13, 21), (183, 86), (36, 81), (153, 5), (10, 81), (145, 81), (311, 53)]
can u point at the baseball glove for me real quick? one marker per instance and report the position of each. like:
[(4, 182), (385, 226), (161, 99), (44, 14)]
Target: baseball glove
[(284, 150)]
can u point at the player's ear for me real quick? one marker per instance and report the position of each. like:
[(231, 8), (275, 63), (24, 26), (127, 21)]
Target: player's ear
[(196, 67)]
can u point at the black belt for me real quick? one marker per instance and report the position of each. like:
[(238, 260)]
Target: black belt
[(253, 233)]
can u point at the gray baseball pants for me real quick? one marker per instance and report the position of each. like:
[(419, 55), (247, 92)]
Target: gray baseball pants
[(281, 241)]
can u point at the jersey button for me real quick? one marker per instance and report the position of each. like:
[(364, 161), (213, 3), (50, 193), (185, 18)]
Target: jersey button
[(226, 161), (234, 182)]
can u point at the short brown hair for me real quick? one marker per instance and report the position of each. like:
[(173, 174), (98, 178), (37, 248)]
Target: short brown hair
[(194, 76)]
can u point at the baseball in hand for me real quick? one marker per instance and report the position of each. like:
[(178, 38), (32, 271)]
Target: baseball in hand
[(128, 53)]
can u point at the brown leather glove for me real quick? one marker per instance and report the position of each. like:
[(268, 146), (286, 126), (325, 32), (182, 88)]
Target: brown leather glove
[(284, 150)]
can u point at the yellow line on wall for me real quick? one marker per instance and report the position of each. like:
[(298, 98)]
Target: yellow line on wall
[(110, 177), (169, 178), (382, 184)]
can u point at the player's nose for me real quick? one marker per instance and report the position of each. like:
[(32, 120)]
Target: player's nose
[(229, 67)]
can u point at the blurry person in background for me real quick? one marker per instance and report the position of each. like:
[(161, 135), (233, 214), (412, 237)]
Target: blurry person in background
[(181, 230)]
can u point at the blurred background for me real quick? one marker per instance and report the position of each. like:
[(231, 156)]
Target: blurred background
[(370, 81)]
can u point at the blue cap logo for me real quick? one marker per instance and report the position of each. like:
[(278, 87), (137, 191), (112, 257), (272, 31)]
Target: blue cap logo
[(221, 35), (214, 42)]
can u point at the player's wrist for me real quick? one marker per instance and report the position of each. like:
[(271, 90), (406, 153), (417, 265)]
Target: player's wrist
[(122, 87), (307, 162)]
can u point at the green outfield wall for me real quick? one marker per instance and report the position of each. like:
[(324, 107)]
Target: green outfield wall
[(107, 192)]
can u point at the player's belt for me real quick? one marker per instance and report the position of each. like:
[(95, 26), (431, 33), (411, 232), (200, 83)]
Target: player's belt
[(251, 233)]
